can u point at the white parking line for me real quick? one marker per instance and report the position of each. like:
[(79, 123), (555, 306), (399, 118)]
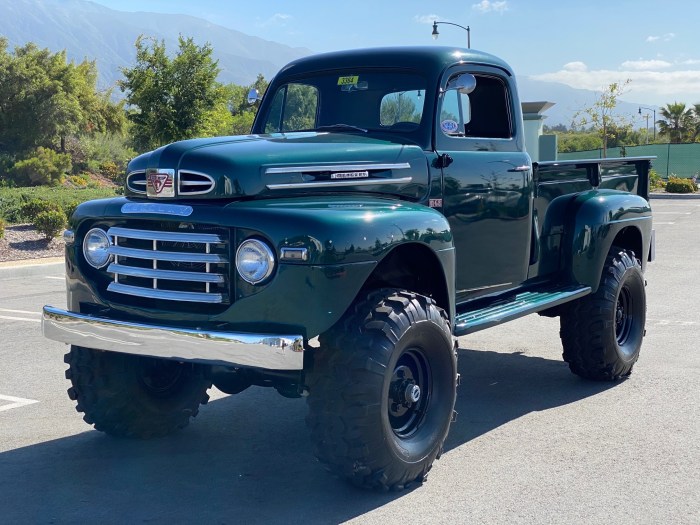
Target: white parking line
[(672, 212), (672, 322), (15, 402), (11, 318), (657, 223), (19, 311), (53, 277)]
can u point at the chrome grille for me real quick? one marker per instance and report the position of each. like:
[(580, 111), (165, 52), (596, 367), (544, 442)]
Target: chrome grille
[(136, 181), (194, 183), (172, 266)]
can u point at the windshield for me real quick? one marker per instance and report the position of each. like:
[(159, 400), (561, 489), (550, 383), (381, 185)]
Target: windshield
[(347, 101)]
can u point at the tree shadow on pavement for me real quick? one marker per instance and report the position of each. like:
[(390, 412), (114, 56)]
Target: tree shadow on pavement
[(248, 458)]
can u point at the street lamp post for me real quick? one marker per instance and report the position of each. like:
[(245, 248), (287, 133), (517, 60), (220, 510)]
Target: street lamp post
[(654, 111), (467, 29)]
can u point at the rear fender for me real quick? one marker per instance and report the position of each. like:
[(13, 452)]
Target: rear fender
[(595, 221)]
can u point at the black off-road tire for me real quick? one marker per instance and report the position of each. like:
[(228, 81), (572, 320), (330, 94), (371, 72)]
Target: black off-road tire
[(131, 396), (602, 333), (369, 424)]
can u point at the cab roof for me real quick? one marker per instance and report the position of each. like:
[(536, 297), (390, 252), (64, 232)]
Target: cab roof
[(429, 59)]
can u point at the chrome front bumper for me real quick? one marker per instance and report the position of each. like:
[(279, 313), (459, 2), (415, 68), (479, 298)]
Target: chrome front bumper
[(272, 352)]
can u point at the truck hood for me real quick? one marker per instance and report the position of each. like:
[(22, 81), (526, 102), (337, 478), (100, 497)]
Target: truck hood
[(280, 165)]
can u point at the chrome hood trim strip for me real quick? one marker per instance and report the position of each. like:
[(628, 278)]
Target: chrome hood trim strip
[(337, 183), (338, 167)]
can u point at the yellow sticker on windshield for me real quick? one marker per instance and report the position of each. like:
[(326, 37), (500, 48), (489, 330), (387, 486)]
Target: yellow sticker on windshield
[(348, 81)]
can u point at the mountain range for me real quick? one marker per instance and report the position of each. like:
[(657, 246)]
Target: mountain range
[(89, 30)]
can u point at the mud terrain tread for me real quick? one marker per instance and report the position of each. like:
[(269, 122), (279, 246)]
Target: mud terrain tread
[(587, 328), (103, 386)]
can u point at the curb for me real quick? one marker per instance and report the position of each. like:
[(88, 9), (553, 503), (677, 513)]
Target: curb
[(32, 267), (680, 196)]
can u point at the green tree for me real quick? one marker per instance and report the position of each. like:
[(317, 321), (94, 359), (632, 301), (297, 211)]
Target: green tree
[(243, 113), (38, 98), (677, 122), (579, 141), (44, 99), (600, 114), (171, 99)]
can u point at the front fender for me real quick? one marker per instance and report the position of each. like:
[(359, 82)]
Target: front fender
[(595, 221), (345, 240)]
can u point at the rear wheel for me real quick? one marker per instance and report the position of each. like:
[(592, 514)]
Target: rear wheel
[(382, 390), (132, 396), (602, 332)]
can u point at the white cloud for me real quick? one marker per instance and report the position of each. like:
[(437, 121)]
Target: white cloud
[(645, 65), (691, 62), (682, 85), (427, 19), (575, 66), (278, 19), (485, 6), (666, 38)]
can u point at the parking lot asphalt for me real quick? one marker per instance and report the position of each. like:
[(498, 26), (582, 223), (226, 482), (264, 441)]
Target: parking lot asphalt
[(532, 443)]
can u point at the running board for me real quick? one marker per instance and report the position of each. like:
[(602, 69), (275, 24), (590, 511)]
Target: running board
[(502, 310)]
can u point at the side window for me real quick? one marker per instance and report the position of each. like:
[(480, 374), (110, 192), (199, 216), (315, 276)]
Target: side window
[(402, 108), (484, 113), (455, 113), (293, 108)]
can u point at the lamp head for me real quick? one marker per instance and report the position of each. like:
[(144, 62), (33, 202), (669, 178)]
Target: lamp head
[(435, 31)]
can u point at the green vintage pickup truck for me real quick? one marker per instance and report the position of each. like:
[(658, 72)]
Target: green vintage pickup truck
[(383, 205)]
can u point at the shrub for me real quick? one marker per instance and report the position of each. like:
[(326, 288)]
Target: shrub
[(655, 181), (69, 208), (50, 222), (45, 167), (80, 181), (678, 185), (31, 209), (2, 228), (12, 199), (110, 170)]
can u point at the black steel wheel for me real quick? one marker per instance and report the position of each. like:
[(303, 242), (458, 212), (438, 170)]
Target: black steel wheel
[(382, 390), (602, 332), (131, 396)]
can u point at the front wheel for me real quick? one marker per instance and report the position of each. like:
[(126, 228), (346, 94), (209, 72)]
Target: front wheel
[(132, 396), (382, 390), (602, 333)]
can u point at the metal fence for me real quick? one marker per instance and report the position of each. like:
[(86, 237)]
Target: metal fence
[(681, 160)]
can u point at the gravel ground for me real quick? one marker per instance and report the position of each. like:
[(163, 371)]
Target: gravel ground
[(22, 241)]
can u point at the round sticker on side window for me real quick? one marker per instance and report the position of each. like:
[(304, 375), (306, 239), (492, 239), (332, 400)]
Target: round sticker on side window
[(449, 126)]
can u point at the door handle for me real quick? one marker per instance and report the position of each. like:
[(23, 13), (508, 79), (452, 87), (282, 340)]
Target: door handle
[(519, 169)]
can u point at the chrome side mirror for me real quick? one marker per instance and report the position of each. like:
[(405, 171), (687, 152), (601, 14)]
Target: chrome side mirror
[(464, 83), (253, 96)]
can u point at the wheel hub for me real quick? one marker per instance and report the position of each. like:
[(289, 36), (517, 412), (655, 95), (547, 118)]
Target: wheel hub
[(408, 393)]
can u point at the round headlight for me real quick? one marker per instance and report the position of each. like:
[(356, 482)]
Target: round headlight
[(254, 261), (96, 248)]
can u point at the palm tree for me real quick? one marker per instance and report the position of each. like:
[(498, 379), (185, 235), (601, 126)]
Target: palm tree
[(696, 121), (677, 122)]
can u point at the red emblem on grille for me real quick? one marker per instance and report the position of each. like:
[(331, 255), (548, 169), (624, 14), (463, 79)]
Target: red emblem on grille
[(160, 183)]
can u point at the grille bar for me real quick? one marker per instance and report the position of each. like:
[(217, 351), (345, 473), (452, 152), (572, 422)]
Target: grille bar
[(165, 236), (169, 295), (170, 275), (167, 256)]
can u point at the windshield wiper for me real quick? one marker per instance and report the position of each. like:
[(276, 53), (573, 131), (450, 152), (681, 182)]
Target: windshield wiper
[(340, 127)]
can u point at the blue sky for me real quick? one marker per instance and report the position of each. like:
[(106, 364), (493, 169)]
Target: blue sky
[(585, 44)]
